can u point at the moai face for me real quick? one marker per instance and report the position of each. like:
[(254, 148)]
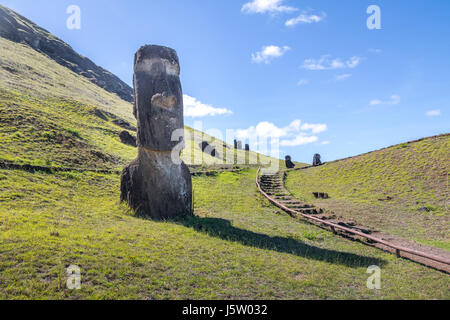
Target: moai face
[(158, 97)]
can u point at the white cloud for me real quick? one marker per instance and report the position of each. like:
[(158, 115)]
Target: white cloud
[(302, 82), (433, 113), (305, 17), (325, 143), (315, 128), (268, 53), (375, 102), (266, 6), (394, 100), (327, 63), (293, 135), (299, 140), (196, 109), (377, 51), (342, 77)]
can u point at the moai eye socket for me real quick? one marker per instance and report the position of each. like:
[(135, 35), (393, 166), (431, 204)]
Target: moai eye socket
[(161, 100)]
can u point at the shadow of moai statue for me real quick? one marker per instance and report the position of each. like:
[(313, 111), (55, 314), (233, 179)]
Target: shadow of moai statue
[(157, 184), (289, 163), (316, 160)]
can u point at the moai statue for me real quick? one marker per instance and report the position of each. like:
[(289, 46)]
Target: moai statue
[(289, 163), (316, 160), (239, 145), (247, 147), (154, 185), (235, 144)]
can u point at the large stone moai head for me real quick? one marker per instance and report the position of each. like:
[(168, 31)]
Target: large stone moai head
[(154, 185), (289, 163), (316, 160), (158, 95)]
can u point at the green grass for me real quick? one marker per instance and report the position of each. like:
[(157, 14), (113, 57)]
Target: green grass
[(413, 176), (43, 104), (238, 246)]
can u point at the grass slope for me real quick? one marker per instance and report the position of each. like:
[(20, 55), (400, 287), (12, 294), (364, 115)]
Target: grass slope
[(49, 116), (402, 190), (237, 246)]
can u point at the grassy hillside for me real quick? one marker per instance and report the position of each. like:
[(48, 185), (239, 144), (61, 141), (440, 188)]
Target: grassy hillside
[(402, 190), (236, 246), (49, 115)]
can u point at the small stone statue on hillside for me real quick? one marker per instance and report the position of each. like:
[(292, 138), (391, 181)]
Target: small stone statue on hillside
[(154, 185), (316, 161), (289, 163)]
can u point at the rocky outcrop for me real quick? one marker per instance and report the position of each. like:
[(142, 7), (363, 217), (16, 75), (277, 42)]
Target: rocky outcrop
[(127, 139), (17, 28), (209, 149), (124, 124), (155, 185)]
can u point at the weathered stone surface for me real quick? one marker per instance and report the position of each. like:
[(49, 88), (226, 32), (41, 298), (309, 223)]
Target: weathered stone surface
[(159, 98), (289, 163), (316, 160), (209, 149), (127, 138), (154, 185)]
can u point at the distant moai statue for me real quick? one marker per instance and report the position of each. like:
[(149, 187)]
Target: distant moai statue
[(247, 147), (235, 144), (239, 145), (316, 160), (154, 185), (289, 163)]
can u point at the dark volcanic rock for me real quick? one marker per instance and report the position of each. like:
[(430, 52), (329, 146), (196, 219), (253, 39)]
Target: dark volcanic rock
[(209, 149), (289, 163), (124, 124), (17, 28), (316, 160), (127, 138), (156, 187), (159, 98), (155, 184)]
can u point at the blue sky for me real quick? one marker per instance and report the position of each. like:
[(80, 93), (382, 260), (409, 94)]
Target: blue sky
[(323, 82)]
